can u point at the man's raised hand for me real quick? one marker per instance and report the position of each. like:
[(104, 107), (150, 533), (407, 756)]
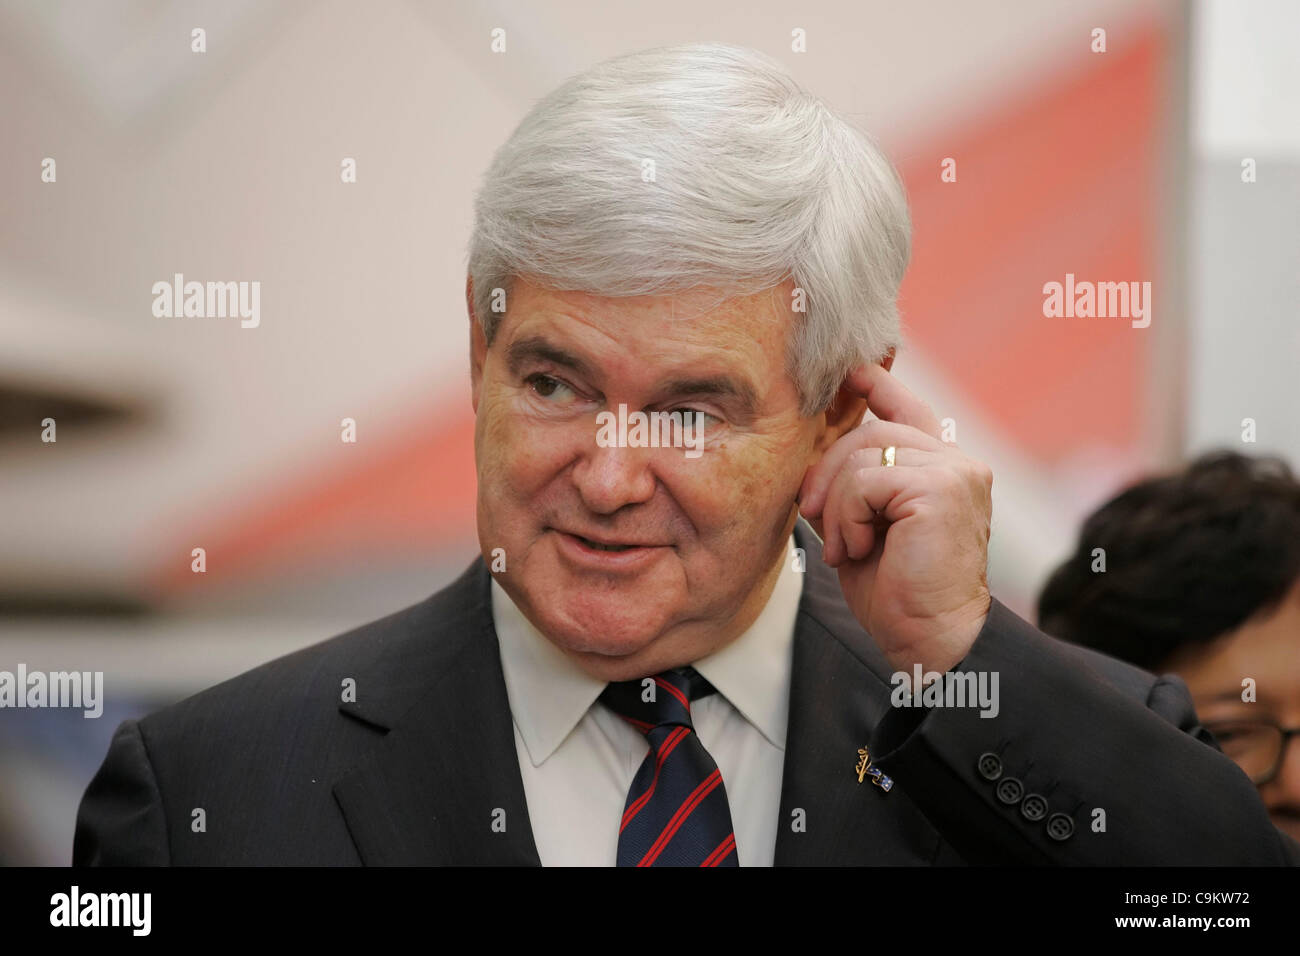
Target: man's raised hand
[(910, 541)]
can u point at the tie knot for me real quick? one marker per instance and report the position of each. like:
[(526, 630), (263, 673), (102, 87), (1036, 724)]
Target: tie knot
[(658, 701)]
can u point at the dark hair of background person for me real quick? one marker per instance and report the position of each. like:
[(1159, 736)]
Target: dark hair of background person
[(1189, 557)]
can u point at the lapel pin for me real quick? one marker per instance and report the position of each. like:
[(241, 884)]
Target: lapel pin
[(864, 769)]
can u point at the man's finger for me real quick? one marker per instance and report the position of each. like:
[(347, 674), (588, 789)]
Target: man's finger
[(875, 433), (861, 496), (889, 399)]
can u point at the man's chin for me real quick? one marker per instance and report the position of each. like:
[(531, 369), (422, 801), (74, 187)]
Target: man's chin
[(604, 640), (606, 635)]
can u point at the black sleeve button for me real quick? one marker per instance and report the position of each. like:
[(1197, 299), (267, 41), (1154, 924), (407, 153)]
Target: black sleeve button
[(989, 766), (1010, 790), (1034, 807), (1060, 827)]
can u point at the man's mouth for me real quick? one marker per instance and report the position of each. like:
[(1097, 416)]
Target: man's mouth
[(609, 545), (605, 547), (610, 556)]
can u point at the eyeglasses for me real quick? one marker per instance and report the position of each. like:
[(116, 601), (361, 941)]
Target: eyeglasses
[(1257, 746)]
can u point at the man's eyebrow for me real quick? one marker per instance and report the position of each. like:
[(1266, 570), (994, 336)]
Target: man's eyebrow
[(535, 348), (718, 386)]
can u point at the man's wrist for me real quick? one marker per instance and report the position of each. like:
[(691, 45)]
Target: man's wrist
[(953, 643)]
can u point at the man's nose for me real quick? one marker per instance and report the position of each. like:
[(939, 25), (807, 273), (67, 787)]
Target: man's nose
[(610, 478)]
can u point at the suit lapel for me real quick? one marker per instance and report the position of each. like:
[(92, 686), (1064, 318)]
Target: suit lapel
[(839, 691), (442, 786)]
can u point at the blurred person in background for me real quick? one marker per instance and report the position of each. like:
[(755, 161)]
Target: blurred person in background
[(1202, 579)]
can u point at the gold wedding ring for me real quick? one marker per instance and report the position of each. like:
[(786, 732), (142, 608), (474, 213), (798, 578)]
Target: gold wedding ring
[(887, 456)]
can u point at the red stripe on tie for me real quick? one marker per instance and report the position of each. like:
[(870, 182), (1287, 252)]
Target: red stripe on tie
[(722, 852), (683, 813), (669, 745), (640, 725), (675, 692)]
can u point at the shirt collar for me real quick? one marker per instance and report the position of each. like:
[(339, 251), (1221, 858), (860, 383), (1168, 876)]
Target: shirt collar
[(753, 671), (549, 694)]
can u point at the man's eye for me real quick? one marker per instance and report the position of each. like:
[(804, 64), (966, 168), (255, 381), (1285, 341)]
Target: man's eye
[(547, 387), (688, 416)]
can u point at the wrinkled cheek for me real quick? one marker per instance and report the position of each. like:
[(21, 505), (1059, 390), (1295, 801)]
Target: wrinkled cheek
[(498, 454), (754, 478), (518, 460), (499, 433), (718, 495), (764, 489)]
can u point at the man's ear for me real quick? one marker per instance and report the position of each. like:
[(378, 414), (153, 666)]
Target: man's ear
[(844, 414), (477, 345), (847, 410)]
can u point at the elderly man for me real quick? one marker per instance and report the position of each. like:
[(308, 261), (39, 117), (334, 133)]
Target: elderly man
[(654, 661)]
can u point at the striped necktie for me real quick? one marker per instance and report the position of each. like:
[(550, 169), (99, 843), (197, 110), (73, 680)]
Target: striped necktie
[(676, 812)]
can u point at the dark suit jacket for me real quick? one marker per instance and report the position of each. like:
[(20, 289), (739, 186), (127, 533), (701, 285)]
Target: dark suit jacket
[(414, 770)]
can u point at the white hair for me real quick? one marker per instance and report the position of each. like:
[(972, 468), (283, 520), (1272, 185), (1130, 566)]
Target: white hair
[(755, 181)]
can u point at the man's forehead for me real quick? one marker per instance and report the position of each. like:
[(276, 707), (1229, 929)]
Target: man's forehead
[(699, 307), (701, 324)]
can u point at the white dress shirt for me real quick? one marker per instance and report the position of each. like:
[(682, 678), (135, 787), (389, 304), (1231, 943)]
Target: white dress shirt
[(578, 759)]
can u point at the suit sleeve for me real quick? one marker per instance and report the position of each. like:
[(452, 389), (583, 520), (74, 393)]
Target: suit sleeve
[(1087, 762), (121, 820)]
